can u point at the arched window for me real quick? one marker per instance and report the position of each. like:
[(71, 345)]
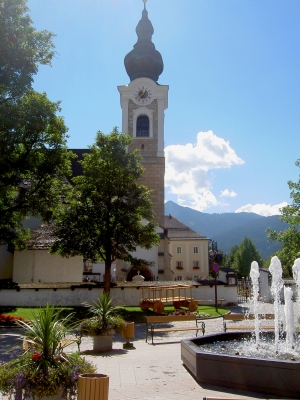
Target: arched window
[(142, 126)]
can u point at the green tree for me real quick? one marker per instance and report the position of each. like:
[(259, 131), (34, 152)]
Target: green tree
[(230, 256), (34, 160), (33, 164), (22, 49), (244, 256), (291, 236), (107, 210)]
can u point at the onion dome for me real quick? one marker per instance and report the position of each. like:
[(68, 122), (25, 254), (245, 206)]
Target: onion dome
[(144, 61)]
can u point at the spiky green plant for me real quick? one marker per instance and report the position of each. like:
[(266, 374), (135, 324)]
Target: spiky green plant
[(44, 369), (105, 319), (44, 334)]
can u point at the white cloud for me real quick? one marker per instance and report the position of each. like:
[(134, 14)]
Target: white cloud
[(262, 209), (227, 193), (187, 169)]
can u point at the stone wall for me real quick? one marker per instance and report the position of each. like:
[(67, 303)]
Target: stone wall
[(153, 176), (122, 295)]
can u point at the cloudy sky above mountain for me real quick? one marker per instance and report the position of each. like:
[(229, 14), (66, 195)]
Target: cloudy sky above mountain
[(232, 123)]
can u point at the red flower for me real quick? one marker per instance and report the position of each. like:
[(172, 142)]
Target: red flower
[(36, 356)]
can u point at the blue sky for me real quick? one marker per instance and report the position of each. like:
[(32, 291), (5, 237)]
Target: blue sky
[(233, 122)]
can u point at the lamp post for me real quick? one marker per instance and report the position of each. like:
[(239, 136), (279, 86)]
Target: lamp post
[(215, 258)]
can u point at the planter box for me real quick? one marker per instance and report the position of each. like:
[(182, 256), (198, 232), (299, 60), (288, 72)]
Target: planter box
[(93, 387), (102, 343), (267, 376)]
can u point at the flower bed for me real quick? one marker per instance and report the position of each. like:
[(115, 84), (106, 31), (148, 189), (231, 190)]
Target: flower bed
[(37, 382), (187, 312), (44, 369), (9, 320)]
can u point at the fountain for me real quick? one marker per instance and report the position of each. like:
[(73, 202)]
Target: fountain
[(274, 371)]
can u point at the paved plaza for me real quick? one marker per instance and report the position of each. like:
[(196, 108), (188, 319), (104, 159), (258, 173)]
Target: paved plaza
[(156, 372)]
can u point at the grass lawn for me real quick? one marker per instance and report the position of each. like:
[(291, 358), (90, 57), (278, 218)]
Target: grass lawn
[(130, 314)]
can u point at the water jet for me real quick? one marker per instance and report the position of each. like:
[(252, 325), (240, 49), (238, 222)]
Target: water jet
[(276, 373)]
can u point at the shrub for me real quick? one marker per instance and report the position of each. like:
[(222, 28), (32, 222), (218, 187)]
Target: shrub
[(9, 320), (44, 369), (105, 320)]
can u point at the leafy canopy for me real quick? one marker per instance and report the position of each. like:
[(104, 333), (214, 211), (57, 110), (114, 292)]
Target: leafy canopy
[(34, 160), (22, 49), (291, 236), (109, 213), (244, 255)]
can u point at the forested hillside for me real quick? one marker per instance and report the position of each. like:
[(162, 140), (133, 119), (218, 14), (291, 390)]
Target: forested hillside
[(228, 229)]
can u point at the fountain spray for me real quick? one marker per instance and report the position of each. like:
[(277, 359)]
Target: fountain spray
[(289, 317), (254, 275), (276, 287), (296, 275)]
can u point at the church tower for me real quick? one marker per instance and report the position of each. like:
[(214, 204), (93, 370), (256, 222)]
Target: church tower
[(143, 103)]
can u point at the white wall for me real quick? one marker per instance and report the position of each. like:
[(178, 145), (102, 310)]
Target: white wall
[(99, 268), (6, 263), (129, 296), (41, 266)]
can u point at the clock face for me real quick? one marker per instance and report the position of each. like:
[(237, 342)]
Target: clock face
[(142, 94)]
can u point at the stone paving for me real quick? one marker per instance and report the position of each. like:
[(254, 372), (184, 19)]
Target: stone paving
[(156, 372)]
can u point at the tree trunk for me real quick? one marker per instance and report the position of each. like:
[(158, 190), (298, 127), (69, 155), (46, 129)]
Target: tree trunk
[(107, 278)]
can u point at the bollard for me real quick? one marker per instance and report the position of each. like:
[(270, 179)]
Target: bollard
[(93, 387), (127, 334)]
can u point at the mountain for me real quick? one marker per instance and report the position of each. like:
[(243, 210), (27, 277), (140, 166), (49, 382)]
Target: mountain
[(228, 229)]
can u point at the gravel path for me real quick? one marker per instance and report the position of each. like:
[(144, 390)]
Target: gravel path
[(150, 372), (10, 346)]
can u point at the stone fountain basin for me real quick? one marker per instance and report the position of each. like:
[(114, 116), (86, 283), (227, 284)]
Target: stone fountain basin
[(272, 377)]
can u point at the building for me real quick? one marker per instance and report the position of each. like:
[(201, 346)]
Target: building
[(143, 103), (189, 251)]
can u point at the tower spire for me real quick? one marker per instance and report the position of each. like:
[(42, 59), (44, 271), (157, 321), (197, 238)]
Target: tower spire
[(144, 61)]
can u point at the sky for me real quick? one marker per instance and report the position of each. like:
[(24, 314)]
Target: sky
[(232, 127)]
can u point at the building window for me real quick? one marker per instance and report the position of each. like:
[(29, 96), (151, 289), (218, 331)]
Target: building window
[(196, 250), (195, 264), (195, 277), (142, 123), (179, 278), (142, 126), (178, 251), (179, 265), (87, 266)]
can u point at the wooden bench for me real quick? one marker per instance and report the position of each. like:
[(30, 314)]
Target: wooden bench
[(154, 324), (219, 301), (65, 342), (227, 398), (233, 320)]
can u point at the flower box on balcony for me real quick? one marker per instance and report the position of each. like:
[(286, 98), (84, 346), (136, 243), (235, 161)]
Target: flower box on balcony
[(179, 267), (196, 268)]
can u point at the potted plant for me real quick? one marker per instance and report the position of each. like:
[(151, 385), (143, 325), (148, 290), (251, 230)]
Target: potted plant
[(44, 369), (103, 323)]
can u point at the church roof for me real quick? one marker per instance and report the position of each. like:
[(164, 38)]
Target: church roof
[(41, 237), (144, 61), (176, 230)]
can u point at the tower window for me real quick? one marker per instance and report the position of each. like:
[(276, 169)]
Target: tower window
[(142, 126)]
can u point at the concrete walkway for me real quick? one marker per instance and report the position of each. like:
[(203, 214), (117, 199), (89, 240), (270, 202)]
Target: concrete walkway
[(156, 372)]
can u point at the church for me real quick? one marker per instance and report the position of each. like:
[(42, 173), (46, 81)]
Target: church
[(182, 253)]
